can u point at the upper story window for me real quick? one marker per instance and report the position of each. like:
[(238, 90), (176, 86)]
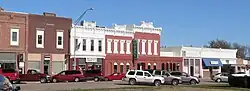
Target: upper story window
[(84, 44), (14, 37), (40, 39), (77, 44), (99, 45), (128, 44), (92, 45), (116, 46), (59, 43), (109, 41), (155, 47)]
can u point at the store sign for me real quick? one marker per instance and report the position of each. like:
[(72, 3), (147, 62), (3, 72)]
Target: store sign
[(91, 60), (214, 62)]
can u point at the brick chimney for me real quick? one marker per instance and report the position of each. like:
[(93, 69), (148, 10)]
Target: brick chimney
[(49, 14)]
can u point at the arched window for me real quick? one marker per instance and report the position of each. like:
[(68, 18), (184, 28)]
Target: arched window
[(127, 66), (162, 66), (149, 66), (115, 67), (154, 66), (171, 67), (167, 66), (178, 66), (174, 67), (121, 67)]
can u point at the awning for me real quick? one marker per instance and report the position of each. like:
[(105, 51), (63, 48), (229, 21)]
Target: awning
[(212, 62)]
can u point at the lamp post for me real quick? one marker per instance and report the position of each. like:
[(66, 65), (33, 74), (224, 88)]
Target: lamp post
[(75, 23)]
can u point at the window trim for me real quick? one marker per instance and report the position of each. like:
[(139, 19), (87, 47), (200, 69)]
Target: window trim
[(92, 45), (14, 43), (39, 32), (84, 43), (100, 45), (59, 34)]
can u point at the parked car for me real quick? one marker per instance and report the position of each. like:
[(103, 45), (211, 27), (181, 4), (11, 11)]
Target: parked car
[(140, 76), (240, 74), (169, 79), (186, 78), (220, 77), (6, 85), (114, 76), (95, 75), (34, 75), (11, 74), (68, 75)]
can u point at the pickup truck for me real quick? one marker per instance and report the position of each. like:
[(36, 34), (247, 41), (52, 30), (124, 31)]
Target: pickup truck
[(11, 74), (34, 75)]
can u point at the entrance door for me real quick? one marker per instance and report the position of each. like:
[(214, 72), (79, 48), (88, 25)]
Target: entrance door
[(192, 70), (46, 65)]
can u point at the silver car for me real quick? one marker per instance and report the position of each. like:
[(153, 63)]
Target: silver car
[(221, 77), (186, 78), (169, 79)]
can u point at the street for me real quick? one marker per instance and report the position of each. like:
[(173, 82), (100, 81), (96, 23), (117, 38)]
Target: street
[(83, 85)]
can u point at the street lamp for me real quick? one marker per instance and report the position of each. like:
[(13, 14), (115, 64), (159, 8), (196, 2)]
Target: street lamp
[(76, 22)]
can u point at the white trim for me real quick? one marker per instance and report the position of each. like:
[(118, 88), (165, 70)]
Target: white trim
[(143, 51), (155, 47), (149, 63), (149, 47), (39, 32), (116, 46), (109, 45), (15, 43), (154, 63), (128, 46), (59, 34), (121, 64), (122, 46), (127, 64), (115, 63), (138, 46)]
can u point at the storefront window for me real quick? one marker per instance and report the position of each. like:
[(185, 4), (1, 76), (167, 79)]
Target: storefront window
[(115, 68), (178, 66), (121, 68), (154, 67), (167, 67), (149, 66), (171, 67), (127, 67), (162, 66), (174, 67)]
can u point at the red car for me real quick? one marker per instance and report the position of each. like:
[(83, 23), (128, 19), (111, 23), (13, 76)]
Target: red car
[(11, 74), (34, 75), (68, 75), (114, 76)]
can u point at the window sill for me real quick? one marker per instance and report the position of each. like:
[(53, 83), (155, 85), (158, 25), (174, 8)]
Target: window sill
[(14, 45), (59, 48), (40, 47)]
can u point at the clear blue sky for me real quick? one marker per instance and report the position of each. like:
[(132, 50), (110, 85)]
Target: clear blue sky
[(187, 22)]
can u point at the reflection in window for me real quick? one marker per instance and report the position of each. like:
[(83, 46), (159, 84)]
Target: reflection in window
[(167, 67), (127, 67), (154, 67), (121, 68), (162, 66), (174, 66), (149, 66)]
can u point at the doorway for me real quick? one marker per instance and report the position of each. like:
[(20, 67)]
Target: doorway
[(46, 65), (192, 70)]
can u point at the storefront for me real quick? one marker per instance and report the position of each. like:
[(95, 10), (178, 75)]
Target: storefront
[(8, 60), (88, 63), (211, 66)]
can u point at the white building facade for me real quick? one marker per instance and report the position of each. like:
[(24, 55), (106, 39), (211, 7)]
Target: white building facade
[(197, 60), (89, 43)]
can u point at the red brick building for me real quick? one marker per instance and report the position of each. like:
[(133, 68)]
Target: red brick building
[(119, 49)]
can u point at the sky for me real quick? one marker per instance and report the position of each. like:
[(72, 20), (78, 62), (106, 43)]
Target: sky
[(184, 22)]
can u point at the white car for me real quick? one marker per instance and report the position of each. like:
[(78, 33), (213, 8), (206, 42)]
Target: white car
[(221, 77), (140, 76)]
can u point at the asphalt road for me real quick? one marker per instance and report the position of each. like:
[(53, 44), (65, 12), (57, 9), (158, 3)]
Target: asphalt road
[(31, 86)]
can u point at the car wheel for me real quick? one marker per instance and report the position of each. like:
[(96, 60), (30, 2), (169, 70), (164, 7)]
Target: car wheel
[(106, 79), (193, 82), (218, 80), (96, 79), (175, 82), (43, 80), (54, 80), (132, 81), (76, 79), (157, 83)]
